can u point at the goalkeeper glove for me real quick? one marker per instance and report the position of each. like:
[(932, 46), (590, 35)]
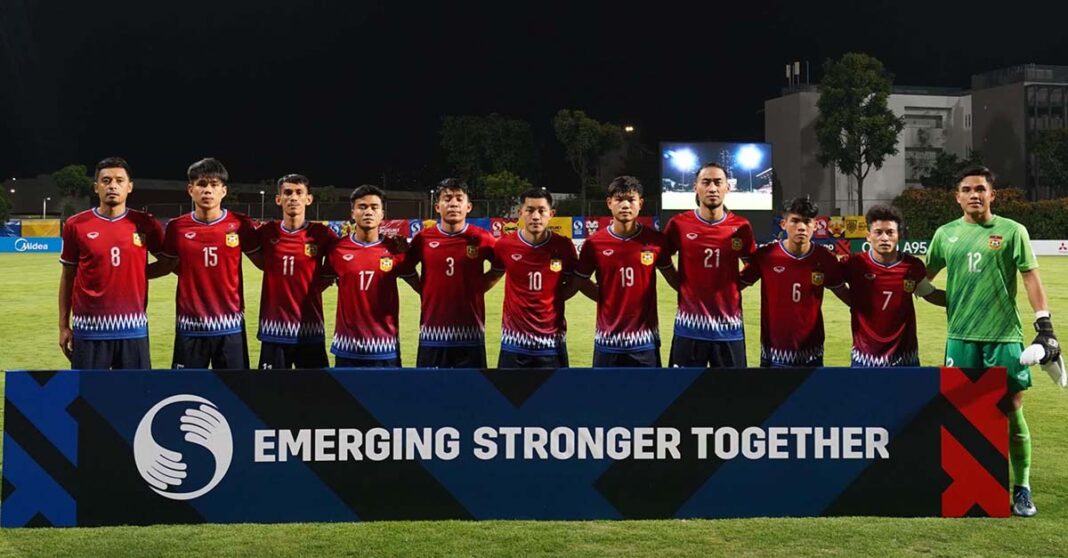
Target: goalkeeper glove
[(1046, 338), (1045, 350)]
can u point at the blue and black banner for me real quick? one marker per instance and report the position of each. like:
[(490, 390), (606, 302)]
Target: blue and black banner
[(150, 447)]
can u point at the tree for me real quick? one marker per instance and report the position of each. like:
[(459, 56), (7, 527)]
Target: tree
[(1050, 148), (856, 131), (477, 146), (504, 186), (942, 174), (585, 141), (73, 181)]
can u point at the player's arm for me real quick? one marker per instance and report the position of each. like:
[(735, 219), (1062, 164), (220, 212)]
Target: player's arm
[(256, 258), (591, 290), (671, 275), (413, 282), (66, 292), (750, 274), (1036, 295), (930, 293), (843, 293), (490, 278), (163, 265)]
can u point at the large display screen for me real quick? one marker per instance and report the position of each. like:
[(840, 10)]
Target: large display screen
[(749, 172)]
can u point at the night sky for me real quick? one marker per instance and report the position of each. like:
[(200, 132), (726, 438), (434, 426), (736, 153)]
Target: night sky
[(347, 92)]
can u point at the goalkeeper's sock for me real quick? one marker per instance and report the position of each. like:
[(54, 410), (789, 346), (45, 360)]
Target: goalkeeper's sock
[(1020, 448)]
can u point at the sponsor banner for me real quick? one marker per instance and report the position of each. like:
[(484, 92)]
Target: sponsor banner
[(414, 226), (393, 227), (148, 447), (40, 227), (578, 228), (28, 245), (821, 228), (561, 226), (914, 247), (1050, 247), (856, 226), (500, 226), (12, 228)]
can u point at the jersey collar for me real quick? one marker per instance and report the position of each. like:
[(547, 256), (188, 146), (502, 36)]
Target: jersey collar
[(352, 238), (110, 219), (282, 226), (624, 238), (457, 233), (811, 249), (697, 213), (193, 215), (528, 243), (871, 256)]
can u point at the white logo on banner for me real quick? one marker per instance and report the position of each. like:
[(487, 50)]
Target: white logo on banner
[(163, 469)]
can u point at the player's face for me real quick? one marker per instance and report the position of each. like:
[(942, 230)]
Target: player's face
[(293, 198), (883, 236), (207, 193), (711, 187), (625, 206), (113, 185), (974, 195), (367, 212), (536, 214), (798, 228), (453, 206)]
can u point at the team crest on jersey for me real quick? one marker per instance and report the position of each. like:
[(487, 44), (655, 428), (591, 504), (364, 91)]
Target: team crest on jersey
[(995, 241), (555, 265), (910, 285), (385, 263), (232, 240), (647, 257), (138, 239), (736, 244), (817, 278), (472, 251), (311, 250)]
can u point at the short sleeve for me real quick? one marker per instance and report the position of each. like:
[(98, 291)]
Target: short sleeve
[(587, 260), (671, 232), (936, 257), (488, 243), (749, 246), (498, 257), (411, 257), (570, 257), (1022, 253), (153, 234), (751, 272), (834, 270), (918, 271), (663, 259), (170, 240), (70, 253), (250, 237)]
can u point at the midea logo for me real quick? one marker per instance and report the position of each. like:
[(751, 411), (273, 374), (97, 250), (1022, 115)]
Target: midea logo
[(163, 469)]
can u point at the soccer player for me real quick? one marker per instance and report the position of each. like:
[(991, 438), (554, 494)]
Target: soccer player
[(710, 241), (793, 274), (291, 329), (623, 257), (452, 317), (981, 252), (367, 267), (103, 291), (882, 282), (536, 264), (204, 247)]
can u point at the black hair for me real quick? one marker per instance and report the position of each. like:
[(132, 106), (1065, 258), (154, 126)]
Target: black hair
[(112, 163), (802, 206), (624, 185), (710, 166), (977, 170), (536, 193), (882, 212), (294, 179), (207, 168), (367, 190), (451, 184)]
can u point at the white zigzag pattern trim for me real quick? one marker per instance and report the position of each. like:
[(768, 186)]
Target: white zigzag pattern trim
[(353, 345), (528, 341), (274, 328), (627, 339), (872, 361), (790, 358), (121, 322), (709, 323), (214, 323), (450, 333)]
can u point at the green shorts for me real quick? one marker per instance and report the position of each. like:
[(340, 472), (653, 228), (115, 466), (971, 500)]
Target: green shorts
[(982, 354)]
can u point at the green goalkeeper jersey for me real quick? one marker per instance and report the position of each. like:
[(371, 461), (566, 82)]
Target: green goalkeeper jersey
[(981, 262)]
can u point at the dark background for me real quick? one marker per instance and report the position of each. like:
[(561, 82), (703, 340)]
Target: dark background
[(350, 91)]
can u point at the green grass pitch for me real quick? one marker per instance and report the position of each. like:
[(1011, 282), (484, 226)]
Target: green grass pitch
[(28, 331)]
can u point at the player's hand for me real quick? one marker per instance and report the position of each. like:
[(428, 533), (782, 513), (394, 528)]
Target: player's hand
[(398, 243), (1047, 340), (66, 341)]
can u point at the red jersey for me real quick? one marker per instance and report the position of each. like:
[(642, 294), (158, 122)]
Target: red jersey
[(710, 304), (210, 290), (367, 303), (291, 303), (626, 281), (791, 299), (883, 315), (453, 307), (110, 288), (533, 319)]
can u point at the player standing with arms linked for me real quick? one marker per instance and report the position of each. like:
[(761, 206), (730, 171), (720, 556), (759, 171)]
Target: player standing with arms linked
[(291, 330), (793, 273), (537, 264), (204, 247), (452, 317), (710, 241), (103, 291), (623, 257), (981, 253)]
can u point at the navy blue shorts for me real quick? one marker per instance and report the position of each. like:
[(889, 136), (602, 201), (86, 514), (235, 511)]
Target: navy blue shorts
[(694, 353), (640, 359), (111, 354), (451, 357), (277, 356), (220, 352), (342, 362), (509, 359)]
